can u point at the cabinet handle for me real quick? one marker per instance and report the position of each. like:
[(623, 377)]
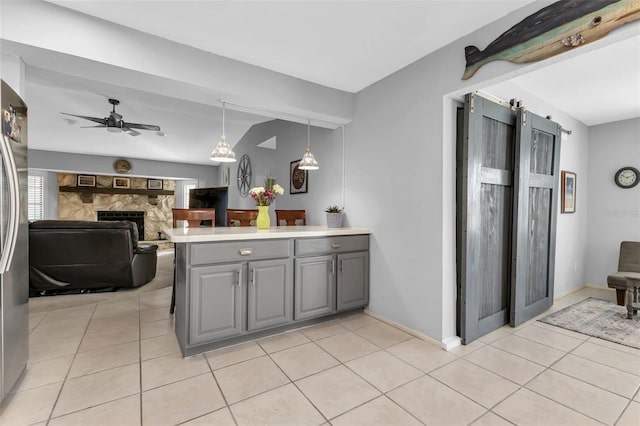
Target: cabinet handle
[(340, 265), (238, 278), (335, 245), (253, 276), (245, 251), (333, 266)]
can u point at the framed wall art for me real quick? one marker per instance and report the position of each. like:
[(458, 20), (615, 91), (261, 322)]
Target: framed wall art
[(154, 183), (568, 182), (122, 183), (86, 180), (299, 179)]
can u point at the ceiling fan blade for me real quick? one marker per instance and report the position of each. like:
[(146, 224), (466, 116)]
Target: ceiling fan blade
[(142, 126), (133, 132), (94, 119), (91, 127)]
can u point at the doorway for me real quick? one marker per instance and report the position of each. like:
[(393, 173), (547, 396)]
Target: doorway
[(506, 168)]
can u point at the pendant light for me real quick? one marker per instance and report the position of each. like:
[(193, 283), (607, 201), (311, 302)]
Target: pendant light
[(308, 161), (223, 151)]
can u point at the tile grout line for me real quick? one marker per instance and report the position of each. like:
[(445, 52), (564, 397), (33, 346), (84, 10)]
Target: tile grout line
[(140, 360), (585, 382), (545, 369), (606, 365), (549, 368), (64, 381), (553, 400), (296, 385)]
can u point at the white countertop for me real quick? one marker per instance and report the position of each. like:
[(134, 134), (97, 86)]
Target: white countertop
[(238, 233)]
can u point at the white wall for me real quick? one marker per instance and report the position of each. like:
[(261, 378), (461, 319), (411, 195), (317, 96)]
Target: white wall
[(614, 213)]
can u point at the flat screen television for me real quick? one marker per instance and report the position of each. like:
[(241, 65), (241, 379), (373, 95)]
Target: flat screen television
[(210, 198)]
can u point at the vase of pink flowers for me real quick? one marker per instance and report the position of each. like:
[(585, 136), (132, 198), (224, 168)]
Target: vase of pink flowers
[(264, 196)]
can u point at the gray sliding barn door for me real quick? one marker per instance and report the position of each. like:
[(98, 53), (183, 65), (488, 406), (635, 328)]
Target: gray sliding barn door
[(508, 171), (536, 206), (485, 204)]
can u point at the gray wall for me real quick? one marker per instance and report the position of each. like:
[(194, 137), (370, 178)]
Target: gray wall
[(614, 213), (103, 165), (404, 127), (324, 185), (263, 162), (48, 163)]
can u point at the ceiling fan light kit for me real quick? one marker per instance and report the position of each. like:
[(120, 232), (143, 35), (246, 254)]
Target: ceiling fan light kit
[(308, 161), (114, 122), (223, 152)]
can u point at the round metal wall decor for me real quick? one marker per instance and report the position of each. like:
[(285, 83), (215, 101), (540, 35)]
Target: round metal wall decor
[(244, 175), (122, 166)]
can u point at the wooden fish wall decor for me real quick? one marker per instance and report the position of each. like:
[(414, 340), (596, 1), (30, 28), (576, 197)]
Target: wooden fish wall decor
[(555, 29)]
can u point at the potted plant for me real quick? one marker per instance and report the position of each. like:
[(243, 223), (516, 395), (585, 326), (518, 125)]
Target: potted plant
[(334, 216)]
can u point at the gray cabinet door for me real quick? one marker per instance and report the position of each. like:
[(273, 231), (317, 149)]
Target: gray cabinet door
[(314, 286), (353, 280), (215, 302), (270, 301)]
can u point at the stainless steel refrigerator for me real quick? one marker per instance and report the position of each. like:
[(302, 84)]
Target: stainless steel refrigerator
[(14, 241)]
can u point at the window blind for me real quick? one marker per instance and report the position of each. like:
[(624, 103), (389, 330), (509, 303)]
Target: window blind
[(35, 197), (185, 194)]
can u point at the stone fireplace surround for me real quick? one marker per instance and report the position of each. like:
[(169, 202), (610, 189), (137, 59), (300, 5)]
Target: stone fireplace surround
[(156, 216)]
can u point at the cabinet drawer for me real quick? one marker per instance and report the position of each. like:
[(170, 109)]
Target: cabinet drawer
[(305, 246), (238, 251)]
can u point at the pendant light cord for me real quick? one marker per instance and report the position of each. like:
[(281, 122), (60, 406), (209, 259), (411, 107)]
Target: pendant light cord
[(308, 133), (224, 107)]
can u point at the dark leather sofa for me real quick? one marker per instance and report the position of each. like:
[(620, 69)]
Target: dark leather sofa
[(76, 256)]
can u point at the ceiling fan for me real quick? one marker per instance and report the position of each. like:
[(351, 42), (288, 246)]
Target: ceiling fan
[(115, 123)]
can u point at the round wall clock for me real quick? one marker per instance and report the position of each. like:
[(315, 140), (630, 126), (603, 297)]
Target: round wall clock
[(122, 166), (244, 175), (627, 177)]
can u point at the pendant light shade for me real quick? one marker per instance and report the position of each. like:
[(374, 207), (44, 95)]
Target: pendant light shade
[(223, 152), (308, 161)]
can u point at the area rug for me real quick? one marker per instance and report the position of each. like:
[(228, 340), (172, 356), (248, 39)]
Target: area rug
[(599, 318)]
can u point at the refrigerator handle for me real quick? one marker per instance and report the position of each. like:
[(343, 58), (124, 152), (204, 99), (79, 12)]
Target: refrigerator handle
[(14, 205)]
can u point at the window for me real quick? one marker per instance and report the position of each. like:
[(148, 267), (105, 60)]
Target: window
[(185, 193), (35, 196)]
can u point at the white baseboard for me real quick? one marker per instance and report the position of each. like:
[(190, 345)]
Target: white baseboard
[(408, 330), (599, 287), (451, 342)]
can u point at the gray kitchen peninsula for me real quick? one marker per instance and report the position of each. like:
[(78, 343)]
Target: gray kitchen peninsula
[(241, 283)]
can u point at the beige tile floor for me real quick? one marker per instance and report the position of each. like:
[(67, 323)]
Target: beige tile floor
[(114, 360)]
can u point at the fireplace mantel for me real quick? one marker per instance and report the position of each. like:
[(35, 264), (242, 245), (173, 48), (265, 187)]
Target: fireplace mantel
[(86, 193)]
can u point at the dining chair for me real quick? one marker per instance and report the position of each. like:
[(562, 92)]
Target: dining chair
[(241, 217), (193, 219), (291, 217)]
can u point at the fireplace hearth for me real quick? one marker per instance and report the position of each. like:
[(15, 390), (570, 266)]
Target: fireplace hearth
[(134, 216)]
